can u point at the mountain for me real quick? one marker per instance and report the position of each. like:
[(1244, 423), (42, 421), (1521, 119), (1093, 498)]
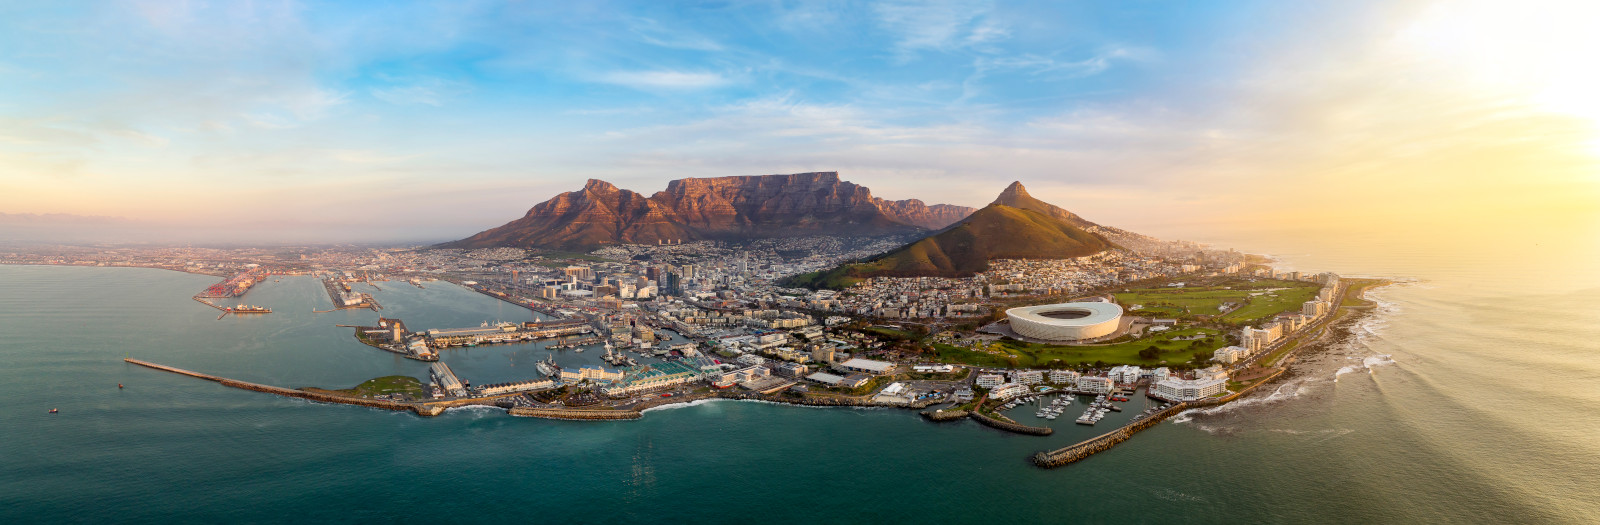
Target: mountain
[(1014, 226), (721, 208)]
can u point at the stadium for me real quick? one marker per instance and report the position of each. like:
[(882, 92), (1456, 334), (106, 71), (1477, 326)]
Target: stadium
[(1065, 321)]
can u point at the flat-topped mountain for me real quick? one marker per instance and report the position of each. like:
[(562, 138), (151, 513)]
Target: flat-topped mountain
[(1014, 226), (721, 208)]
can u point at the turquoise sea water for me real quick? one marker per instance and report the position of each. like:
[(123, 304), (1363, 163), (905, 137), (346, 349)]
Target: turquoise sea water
[(1459, 401)]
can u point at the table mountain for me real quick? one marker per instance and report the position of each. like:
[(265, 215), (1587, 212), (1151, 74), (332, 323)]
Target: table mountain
[(721, 208)]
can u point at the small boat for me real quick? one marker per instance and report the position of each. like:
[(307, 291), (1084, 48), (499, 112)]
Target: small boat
[(54, 410)]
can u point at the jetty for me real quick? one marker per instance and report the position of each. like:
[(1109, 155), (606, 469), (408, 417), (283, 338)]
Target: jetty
[(575, 414), (1083, 449), (421, 409)]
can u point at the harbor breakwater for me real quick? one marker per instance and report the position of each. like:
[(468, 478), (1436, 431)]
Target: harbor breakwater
[(310, 395), (1083, 449), (1011, 426), (944, 415), (575, 414)]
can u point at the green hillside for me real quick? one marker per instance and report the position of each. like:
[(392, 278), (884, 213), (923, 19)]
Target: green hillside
[(994, 232)]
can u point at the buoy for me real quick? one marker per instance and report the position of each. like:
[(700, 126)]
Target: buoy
[(119, 386)]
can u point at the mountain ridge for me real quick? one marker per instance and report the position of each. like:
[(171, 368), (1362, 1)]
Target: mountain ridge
[(735, 208)]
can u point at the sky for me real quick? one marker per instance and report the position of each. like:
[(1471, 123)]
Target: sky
[(422, 121)]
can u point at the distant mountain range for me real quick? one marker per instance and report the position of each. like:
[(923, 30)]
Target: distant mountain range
[(1014, 226), (722, 208)]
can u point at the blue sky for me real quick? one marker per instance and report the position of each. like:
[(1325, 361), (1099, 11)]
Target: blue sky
[(437, 119)]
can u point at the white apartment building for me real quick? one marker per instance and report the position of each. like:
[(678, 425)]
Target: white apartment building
[(1229, 354), (1066, 377), (1098, 385), (1006, 391), (1028, 377), (990, 380), (1173, 389), (1125, 374)]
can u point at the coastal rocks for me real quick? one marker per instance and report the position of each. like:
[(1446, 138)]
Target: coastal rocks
[(1084, 449), (575, 414), (720, 208), (1009, 426), (944, 415)]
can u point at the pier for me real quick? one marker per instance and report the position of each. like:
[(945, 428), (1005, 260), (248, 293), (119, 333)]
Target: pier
[(420, 409), (568, 342), (335, 295)]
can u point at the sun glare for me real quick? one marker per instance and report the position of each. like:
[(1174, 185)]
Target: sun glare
[(1540, 52)]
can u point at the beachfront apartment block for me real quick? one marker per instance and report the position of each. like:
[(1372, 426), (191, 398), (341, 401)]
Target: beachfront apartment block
[(1159, 374), (1095, 384), (1125, 374), (1006, 391), (1229, 354), (1211, 372), (1064, 377), (1174, 389), (990, 380), (1028, 377)]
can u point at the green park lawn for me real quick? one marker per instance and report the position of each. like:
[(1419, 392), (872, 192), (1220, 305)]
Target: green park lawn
[(1260, 299), (387, 385), (1030, 355)]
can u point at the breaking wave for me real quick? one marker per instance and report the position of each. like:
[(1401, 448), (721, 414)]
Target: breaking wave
[(670, 406)]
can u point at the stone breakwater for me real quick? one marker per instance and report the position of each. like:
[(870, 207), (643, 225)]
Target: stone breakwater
[(1086, 448), (311, 395), (944, 415), (1011, 426), (572, 414)]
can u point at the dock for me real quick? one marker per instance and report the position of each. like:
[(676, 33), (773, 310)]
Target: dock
[(333, 290)]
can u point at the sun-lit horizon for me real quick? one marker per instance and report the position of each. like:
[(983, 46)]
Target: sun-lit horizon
[(293, 122)]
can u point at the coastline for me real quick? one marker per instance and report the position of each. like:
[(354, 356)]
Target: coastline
[(1352, 308)]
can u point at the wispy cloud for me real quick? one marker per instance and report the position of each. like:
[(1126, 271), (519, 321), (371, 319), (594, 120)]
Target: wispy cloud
[(938, 24), (427, 91), (664, 79), (656, 33)]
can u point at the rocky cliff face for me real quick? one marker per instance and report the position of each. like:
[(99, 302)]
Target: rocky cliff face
[(722, 208)]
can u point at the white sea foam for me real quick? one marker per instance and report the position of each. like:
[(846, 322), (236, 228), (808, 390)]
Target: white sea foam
[(1173, 495), (1377, 360), (670, 406), (1315, 436), (475, 408)]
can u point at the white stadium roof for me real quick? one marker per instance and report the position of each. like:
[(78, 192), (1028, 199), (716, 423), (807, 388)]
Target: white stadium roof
[(1065, 321)]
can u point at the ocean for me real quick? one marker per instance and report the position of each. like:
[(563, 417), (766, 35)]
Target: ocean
[(1469, 395)]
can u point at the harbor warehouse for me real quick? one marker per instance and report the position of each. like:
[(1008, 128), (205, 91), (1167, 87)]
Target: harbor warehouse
[(1065, 321), (865, 365)]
